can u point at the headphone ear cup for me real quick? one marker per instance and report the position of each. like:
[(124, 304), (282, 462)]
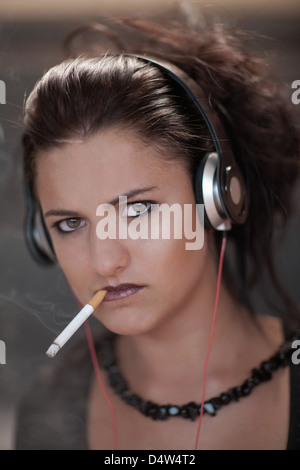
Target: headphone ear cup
[(199, 192), (207, 192), (36, 234)]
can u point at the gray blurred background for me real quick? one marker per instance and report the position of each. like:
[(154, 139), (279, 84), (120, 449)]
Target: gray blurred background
[(35, 303)]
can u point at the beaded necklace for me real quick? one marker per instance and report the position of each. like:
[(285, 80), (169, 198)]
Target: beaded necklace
[(190, 410)]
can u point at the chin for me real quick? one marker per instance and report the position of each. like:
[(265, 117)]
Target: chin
[(131, 327)]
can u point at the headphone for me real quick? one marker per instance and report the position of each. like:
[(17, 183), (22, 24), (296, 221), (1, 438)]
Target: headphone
[(218, 183)]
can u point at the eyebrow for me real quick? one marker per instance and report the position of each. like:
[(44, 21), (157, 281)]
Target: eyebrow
[(129, 195)]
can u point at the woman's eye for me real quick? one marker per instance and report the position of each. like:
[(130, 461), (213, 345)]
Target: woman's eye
[(136, 209), (69, 225)]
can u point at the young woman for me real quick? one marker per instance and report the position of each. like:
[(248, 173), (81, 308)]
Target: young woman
[(179, 331)]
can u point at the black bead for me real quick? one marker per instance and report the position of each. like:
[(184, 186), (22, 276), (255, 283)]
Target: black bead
[(261, 375), (184, 412), (125, 394), (236, 393), (225, 398), (266, 374), (113, 369), (217, 402), (255, 378), (247, 387), (151, 409), (117, 382), (192, 410), (163, 412), (108, 362), (276, 362), (280, 357), (133, 400), (267, 366)]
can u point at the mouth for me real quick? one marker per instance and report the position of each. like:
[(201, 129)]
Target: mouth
[(121, 291)]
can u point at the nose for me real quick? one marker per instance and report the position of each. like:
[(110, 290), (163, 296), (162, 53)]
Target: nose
[(107, 257)]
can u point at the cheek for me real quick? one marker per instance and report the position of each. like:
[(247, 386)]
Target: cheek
[(183, 264), (73, 261), (169, 263)]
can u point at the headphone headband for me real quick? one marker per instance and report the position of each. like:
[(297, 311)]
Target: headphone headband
[(232, 202)]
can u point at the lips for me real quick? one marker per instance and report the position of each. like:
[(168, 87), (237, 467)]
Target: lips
[(121, 291)]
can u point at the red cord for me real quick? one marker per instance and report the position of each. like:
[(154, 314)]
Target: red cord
[(99, 379), (97, 369), (211, 333)]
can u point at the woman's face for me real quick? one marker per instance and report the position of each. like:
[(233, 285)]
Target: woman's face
[(73, 181)]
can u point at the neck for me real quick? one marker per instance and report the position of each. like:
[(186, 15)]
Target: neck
[(168, 361)]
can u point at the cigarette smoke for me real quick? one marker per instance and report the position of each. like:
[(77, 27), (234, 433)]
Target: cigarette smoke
[(51, 316), (34, 301)]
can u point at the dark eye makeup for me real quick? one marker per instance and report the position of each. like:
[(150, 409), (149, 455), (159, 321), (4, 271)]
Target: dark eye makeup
[(72, 224)]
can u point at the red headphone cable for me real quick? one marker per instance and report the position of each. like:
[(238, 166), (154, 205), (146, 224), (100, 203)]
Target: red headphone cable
[(211, 332), (99, 380)]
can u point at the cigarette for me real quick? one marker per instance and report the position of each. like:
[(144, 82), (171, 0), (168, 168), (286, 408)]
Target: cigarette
[(76, 323)]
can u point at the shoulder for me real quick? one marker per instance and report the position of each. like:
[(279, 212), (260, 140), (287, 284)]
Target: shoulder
[(52, 411)]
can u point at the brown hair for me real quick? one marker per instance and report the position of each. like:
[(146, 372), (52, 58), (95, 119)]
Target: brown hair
[(93, 91)]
